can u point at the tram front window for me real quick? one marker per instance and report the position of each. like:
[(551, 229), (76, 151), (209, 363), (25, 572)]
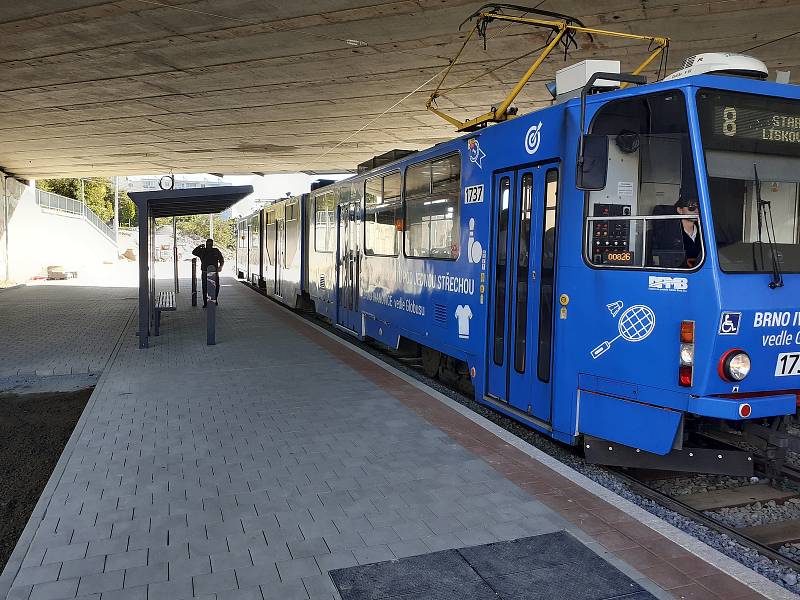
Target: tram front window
[(752, 145), (647, 216)]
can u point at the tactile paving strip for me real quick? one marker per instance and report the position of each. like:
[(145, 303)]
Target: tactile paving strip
[(542, 567)]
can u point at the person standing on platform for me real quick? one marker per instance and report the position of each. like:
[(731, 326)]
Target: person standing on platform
[(209, 257)]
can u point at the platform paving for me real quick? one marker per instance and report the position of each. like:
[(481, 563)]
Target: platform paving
[(60, 330), (251, 468)]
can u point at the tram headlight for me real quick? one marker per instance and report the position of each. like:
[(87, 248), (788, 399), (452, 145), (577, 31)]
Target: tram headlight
[(734, 365)]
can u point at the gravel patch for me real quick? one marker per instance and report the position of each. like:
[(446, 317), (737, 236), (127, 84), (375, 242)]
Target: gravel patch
[(699, 484), (758, 513), (34, 428)]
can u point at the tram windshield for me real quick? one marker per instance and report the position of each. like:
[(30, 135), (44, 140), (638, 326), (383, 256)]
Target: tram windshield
[(752, 152), (647, 216)]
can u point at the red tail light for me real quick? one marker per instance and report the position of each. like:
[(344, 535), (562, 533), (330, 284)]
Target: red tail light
[(686, 354)]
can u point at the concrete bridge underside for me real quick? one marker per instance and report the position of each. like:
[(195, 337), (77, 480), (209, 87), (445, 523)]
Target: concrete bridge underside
[(90, 87)]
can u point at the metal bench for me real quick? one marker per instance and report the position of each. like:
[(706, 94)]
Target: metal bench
[(165, 301)]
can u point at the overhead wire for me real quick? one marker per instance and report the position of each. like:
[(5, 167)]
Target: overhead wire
[(780, 39)]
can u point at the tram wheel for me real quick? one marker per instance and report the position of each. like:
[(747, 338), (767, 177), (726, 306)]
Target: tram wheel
[(431, 360)]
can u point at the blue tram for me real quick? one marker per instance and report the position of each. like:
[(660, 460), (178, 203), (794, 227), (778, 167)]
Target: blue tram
[(620, 269)]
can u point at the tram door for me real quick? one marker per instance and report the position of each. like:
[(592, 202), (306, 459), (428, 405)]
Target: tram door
[(280, 252), (521, 296), (349, 220)]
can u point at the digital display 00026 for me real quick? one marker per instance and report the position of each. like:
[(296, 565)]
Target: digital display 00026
[(746, 122)]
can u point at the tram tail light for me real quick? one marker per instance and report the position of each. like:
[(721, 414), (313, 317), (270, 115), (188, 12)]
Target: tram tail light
[(686, 355)]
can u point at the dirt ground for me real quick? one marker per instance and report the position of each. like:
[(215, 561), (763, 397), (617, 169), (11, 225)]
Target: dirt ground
[(34, 428)]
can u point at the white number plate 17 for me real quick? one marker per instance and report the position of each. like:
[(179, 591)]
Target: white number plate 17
[(788, 364)]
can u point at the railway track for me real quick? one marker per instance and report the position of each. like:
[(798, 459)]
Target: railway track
[(743, 536)]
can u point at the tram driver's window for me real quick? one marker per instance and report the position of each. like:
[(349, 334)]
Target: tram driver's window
[(647, 216)]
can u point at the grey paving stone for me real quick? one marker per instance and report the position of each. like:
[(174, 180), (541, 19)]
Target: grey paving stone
[(19, 592), (297, 568), (250, 593), (336, 560), (226, 561), (319, 586), (32, 575), (214, 583), (141, 576), (64, 553), (83, 566), (408, 548), (189, 567), (412, 530), (379, 535), (257, 575), (289, 590), (101, 582), (442, 542), (54, 590), (104, 547), (271, 553), (139, 593), (178, 589), (372, 554), (306, 548), (126, 560)]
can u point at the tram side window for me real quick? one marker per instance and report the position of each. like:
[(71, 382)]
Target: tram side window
[(270, 237), (647, 216), (325, 222), (431, 208), (292, 234), (242, 234), (382, 218)]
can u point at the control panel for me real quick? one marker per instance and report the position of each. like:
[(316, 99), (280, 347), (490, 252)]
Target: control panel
[(611, 239)]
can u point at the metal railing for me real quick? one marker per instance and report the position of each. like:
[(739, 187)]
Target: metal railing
[(71, 206)]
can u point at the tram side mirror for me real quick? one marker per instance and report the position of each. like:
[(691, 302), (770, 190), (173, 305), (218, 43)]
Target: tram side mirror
[(593, 169)]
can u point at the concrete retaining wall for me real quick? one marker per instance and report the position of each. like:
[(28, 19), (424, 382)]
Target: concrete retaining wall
[(35, 238)]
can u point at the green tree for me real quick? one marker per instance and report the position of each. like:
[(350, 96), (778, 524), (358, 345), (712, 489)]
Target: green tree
[(127, 210), (127, 207), (95, 193), (224, 231)]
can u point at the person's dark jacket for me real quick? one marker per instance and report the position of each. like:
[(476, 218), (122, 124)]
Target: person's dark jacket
[(209, 257)]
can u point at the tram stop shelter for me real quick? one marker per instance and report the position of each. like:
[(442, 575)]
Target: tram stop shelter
[(171, 203)]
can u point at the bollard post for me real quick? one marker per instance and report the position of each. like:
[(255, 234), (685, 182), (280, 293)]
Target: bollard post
[(211, 299), (194, 282)]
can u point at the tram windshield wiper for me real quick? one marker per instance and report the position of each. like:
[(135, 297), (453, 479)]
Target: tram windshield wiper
[(764, 213)]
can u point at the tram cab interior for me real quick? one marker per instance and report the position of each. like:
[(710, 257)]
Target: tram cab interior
[(635, 221)]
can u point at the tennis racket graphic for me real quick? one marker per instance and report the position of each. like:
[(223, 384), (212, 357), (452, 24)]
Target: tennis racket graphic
[(635, 324)]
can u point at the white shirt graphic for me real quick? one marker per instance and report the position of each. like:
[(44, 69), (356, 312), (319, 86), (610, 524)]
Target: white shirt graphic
[(463, 314)]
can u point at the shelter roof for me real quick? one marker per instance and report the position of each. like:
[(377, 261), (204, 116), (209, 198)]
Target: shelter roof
[(195, 201)]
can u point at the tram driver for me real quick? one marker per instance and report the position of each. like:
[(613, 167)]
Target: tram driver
[(688, 204), (677, 243)]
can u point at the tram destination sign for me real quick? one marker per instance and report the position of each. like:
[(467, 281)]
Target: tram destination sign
[(733, 121)]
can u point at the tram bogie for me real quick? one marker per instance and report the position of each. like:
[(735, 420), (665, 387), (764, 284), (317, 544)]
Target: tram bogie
[(635, 314)]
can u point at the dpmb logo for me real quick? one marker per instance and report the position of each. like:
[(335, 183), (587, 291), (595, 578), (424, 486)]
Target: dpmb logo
[(667, 284)]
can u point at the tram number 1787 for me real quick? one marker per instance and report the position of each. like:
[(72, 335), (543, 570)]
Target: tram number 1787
[(788, 364)]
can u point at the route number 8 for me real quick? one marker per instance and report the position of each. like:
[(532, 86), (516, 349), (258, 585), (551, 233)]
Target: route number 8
[(729, 121)]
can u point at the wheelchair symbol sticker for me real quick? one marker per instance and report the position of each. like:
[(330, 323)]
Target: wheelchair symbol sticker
[(729, 323)]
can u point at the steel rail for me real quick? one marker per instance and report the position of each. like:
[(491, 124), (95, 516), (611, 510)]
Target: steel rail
[(685, 510)]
